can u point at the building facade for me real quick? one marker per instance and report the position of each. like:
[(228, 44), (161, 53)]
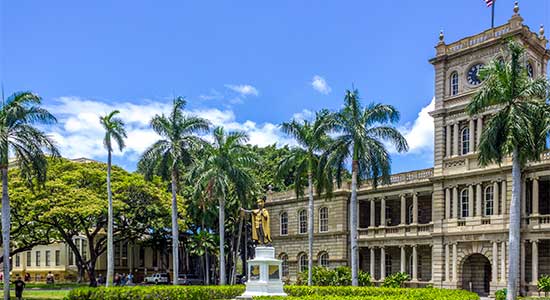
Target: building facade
[(446, 226)]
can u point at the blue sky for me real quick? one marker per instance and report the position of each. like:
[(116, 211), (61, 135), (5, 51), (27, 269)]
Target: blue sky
[(247, 65)]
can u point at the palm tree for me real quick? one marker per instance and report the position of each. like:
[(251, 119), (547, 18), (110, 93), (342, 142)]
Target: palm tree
[(172, 153), (226, 168), (362, 133), (306, 161), (520, 100), (114, 130), (29, 145)]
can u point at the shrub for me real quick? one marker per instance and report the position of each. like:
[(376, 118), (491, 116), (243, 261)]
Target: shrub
[(501, 294), (157, 292), (395, 280), (339, 276), (543, 284)]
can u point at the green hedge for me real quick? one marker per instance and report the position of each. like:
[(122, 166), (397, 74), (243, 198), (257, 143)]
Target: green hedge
[(157, 293), (379, 293)]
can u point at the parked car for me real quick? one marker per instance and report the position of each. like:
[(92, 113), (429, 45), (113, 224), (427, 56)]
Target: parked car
[(157, 278), (189, 279)]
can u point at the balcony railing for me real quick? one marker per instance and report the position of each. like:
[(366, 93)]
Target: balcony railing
[(396, 231)]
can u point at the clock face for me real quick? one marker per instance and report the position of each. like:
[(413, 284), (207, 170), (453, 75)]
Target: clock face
[(529, 68), (473, 74)]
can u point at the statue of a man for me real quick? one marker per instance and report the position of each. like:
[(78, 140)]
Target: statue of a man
[(261, 232)]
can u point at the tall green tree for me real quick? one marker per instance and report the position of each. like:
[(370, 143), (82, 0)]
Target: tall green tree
[(306, 161), (169, 156), (226, 168), (114, 131), (18, 135), (362, 133), (516, 130)]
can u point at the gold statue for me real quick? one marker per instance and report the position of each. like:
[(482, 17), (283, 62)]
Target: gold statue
[(261, 232)]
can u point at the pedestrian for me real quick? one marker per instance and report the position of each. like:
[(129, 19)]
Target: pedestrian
[(19, 286), (100, 279)]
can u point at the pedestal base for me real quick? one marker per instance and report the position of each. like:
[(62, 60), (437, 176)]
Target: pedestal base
[(264, 275)]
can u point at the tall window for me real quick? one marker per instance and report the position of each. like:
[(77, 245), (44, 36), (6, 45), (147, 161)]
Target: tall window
[(454, 83), (410, 213), (465, 140), (388, 264), (302, 262), (302, 221), (48, 256), (284, 223), (29, 258), (84, 249), (71, 257), (124, 255), (57, 257), (17, 260), (37, 261), (155, 258), (141, 256), (464, 203), (323, 259), (489, 201), (284, 264), (116, 251), (323, 219)]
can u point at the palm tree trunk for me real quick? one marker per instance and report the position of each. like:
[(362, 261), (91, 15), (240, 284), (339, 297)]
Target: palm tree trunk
[(234, 271), (207, 266), (222, 240), (310, 228), (353, 223), (515, 227), (175, 230), (110, 251), (6, 231)]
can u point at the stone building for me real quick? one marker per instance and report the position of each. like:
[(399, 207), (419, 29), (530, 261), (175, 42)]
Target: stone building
[(448, 225)]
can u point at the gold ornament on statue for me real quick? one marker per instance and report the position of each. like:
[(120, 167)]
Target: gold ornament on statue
[(261, 232)]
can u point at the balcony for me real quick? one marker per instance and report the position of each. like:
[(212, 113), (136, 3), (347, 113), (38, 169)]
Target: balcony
[(413, 230)]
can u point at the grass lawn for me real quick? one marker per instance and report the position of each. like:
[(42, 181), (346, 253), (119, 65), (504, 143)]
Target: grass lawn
[(41, 294)]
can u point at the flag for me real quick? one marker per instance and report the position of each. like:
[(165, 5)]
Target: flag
[(489, 2)]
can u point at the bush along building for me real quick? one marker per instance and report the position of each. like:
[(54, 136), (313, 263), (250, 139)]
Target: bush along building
[(446, 226)]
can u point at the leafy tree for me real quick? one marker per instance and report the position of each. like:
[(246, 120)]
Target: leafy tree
[(225, 167), (114, 130), (361, 135), (306, 162), (172, 154), (18, 136), (516, 129)]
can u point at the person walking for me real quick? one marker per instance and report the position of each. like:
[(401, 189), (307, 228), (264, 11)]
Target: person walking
[(19, 287)]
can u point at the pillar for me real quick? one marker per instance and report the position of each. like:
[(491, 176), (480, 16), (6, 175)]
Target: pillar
[(470, 200), (403, 209), (522, 264), (472, 136), (535, 262), (455, 254), (372, 213), (496, 197), (372, 262), (455, 202), (447, 203), (447, 258), (403, 259), (479, 131), (448, 141), (535, 196), (479, 200), (504, 194), (523, 197), (495, 262), (415, 208), (455, 138), (415, 264), (382, 263), (383, 212), (503, 261)]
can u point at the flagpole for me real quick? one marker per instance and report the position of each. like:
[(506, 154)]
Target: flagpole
[(493, 14)]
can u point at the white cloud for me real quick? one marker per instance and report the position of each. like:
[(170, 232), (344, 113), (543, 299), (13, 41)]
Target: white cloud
[(305, 114), (243, 89), (420, 135), (319, 84)]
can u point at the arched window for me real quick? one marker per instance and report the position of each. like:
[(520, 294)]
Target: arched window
[(464, 203), (284, 223), (489, 200), (530, 70), (284, 264), (302, 262), (465, 140), (323, 219), (454, 83), (323, 259), (302, 221)]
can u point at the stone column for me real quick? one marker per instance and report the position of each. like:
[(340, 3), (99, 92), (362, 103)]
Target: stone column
[(496, 197), (479, 200), (455, 202), (522, 264), (403, 209), (415, 264), (448, 141), (372, 212), (447, 203), (415, 208), (372, 262), (504, 193), (403, 259), (503, 261), (470, 200), (523, 197), (383, 211), (455, 254), (495, 262), (447, 258), (479, 130), (382, 263), (534, 261), (472, 136), (535, 195), (455, 138)]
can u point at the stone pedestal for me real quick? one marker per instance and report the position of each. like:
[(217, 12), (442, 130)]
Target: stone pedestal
[(264, 275)]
